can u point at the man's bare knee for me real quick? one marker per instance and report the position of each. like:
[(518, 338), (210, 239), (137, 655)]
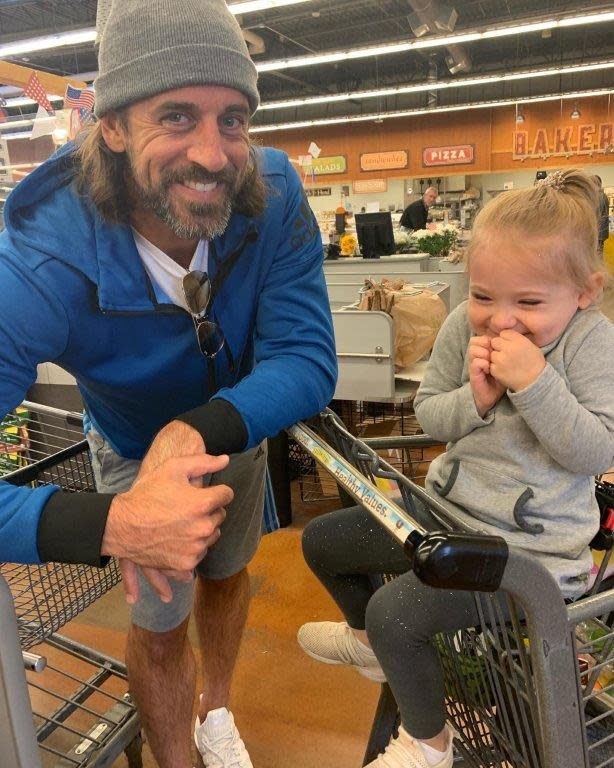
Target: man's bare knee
[(157, 646), (228, 582)]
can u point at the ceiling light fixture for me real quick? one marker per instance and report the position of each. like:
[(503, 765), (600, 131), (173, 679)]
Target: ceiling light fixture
[(20, 135), (440, 85), (575, 113), (427, 111), (88, 35), (250, 6), (434, 42), (77, 37), (16, 124), (24, 101)]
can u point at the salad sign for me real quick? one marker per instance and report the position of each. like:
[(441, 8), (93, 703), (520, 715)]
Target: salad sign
[(321, 166)]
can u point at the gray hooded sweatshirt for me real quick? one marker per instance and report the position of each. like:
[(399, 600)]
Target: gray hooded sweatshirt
[(525, 471)]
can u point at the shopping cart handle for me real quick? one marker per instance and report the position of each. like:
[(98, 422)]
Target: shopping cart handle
[(461, 561)]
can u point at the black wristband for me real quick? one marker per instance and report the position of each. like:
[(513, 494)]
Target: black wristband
[(71, 527), (220, 425)]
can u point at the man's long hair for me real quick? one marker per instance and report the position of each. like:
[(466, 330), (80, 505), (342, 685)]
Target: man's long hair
[(101, 176)]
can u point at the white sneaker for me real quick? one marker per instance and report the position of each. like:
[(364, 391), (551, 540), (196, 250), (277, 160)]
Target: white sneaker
[(219, 743), (333, 642), (405, 752)]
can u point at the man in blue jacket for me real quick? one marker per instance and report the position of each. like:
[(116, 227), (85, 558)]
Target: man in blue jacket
[(176, 271)]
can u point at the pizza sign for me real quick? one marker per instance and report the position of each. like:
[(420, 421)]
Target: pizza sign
[(461, 154)]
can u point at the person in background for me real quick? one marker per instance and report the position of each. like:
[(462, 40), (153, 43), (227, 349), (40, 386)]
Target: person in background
[(521, 388), (176, 271), (603, 219), (416, 214)]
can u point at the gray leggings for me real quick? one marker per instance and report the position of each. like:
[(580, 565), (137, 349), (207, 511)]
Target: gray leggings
[(345, 549)]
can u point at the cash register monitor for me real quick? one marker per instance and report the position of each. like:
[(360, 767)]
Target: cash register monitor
[(375, 236)]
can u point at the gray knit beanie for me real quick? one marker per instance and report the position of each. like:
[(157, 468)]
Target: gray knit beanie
[(151, 46)]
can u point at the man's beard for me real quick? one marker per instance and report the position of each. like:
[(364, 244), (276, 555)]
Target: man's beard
[(192, 221)]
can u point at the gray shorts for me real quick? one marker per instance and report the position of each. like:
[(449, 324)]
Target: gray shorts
[(240, 531)]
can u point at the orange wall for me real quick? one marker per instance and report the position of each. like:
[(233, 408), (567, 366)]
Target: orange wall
[(491, 131)]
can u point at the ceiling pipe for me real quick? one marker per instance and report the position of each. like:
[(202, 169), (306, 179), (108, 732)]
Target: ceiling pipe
[(255, 43), (434, 17)]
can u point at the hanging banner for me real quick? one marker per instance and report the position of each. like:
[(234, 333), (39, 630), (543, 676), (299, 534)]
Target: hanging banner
[(321, 166), (384, 161), (457, 154), (564, 141), (366, 186)]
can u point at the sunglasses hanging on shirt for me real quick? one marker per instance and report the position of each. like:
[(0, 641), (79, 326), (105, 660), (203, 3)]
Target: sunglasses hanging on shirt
[(197, 293)]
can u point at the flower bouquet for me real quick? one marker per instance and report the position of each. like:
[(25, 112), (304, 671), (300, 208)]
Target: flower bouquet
[(436, 242)]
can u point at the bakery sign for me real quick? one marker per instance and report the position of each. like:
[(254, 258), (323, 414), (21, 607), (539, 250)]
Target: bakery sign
[(564, 141), (457, 154), (384, 161)]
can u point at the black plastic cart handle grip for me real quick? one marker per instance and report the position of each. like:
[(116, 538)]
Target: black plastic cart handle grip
[(459, 560)]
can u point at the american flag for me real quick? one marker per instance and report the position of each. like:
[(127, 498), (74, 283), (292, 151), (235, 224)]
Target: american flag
[(75, 98), (34, 90)]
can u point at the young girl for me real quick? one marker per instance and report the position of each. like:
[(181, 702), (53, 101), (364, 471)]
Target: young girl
[(520, 385)]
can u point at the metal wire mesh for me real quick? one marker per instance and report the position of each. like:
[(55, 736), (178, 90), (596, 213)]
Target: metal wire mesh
[(489, 682), (33, 432), (364, 420), (48, 596), (594, 644), (80, 706)]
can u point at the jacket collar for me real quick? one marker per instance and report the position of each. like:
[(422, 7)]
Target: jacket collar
[(123, 284)]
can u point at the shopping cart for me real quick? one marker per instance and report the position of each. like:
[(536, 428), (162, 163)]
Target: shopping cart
[(70, 707), (531, 686)]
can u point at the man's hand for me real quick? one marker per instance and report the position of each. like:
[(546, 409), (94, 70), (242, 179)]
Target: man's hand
[(158, 579), (173, 440), (515, 361), (487, 391), (163, 521)]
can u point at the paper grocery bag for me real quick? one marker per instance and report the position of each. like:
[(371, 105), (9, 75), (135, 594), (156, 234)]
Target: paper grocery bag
[(418, 315)]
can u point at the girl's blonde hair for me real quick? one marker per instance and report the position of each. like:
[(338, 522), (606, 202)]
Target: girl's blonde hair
[(557, 217)]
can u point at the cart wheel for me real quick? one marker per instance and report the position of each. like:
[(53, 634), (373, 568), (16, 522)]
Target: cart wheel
[(134, 752)]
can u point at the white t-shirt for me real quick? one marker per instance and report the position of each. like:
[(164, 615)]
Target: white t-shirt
[(165, 274)]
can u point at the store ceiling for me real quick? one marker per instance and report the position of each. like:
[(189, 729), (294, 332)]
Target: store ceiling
[(322, 26)]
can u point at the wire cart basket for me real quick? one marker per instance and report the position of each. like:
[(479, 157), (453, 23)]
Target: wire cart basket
[(532, 686), (62, 704)]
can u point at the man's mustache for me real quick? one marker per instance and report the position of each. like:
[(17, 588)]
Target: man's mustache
[(198, 175)]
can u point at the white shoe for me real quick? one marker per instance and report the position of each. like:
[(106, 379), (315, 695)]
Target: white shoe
[(219, 743), (333, 642), (405, 752)]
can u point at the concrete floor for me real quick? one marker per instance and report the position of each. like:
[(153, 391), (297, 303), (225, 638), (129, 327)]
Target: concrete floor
[(291, 710)]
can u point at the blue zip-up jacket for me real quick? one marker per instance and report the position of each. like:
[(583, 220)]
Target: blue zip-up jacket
[(73, 291)]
